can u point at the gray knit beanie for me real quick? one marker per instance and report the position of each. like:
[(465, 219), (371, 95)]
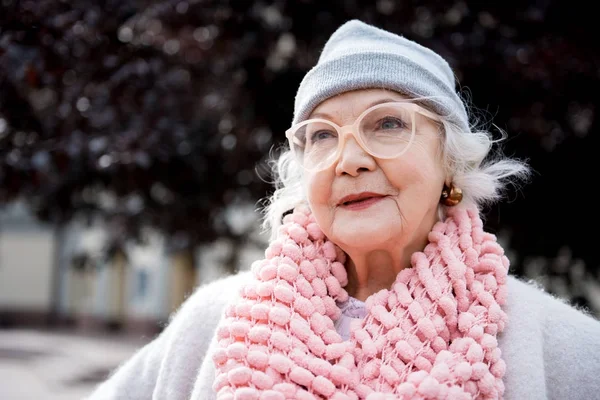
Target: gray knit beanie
[(361, 56)]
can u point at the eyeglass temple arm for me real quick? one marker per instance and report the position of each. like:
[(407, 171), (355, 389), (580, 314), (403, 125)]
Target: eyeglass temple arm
[(297, 141), (428, 114)]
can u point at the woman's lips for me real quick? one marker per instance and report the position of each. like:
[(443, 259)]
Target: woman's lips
[(362, 204)]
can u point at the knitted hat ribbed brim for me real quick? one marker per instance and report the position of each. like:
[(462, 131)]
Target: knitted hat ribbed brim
[(361, 56)]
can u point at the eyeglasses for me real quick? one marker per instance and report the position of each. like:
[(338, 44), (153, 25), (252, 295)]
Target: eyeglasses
[(384, 131)]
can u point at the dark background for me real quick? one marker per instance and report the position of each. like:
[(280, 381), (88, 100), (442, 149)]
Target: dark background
[(163, 113)]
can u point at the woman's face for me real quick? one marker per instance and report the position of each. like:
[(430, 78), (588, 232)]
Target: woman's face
[(400, 196)]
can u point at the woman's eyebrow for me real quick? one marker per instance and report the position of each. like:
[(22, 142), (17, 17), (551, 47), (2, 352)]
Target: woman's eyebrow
[(376, 102)]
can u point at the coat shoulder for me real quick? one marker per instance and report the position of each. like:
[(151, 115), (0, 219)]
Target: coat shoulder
[(529, 296), (209, 300), (550, 342)]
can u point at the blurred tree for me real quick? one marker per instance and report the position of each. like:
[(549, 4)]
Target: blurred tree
[(157, 112), (135, 111)]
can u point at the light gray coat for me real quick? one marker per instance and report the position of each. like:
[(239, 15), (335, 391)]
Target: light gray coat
[(551, 349)]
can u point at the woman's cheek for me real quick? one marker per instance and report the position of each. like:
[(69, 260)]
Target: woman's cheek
[(318, 188)]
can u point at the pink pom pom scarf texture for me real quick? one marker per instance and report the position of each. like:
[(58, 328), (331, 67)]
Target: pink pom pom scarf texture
[(432, 335)]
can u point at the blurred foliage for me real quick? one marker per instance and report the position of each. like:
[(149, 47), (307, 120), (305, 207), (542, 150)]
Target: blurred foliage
[(157, 113)]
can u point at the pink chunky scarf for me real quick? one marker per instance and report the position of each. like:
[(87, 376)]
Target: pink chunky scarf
[(432, 335)]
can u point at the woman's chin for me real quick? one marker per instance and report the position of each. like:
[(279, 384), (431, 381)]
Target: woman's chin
[(358, 235)]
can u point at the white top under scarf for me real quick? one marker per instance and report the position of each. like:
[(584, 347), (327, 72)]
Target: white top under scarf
[(351, 309)]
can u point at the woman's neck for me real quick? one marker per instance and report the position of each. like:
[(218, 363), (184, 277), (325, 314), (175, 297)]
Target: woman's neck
[(371, 272)]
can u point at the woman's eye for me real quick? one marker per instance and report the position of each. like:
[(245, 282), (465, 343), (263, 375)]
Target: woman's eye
[(321, 135), (392, 123)]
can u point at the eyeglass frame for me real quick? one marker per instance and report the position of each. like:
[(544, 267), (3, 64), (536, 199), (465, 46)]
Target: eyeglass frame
[(351, 129)]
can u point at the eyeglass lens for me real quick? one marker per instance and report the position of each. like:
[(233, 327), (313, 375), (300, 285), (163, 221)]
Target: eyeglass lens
[(385, 131)]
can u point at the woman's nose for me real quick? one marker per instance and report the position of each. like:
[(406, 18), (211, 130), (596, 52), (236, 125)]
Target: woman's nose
[(353, 158)]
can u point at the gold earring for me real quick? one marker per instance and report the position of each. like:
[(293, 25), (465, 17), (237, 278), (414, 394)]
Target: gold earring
[(451, 196)]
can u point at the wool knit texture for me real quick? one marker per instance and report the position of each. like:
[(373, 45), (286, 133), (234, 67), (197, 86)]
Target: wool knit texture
[(432, 335), (362, 56)]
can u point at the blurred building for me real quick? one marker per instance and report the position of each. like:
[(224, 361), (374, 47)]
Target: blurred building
[(73, 276), (26, 277)]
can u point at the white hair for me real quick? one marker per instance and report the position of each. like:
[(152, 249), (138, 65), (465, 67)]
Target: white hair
[(472, 160)]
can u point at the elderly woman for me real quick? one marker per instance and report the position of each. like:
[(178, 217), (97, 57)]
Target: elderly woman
[(379, 281)]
